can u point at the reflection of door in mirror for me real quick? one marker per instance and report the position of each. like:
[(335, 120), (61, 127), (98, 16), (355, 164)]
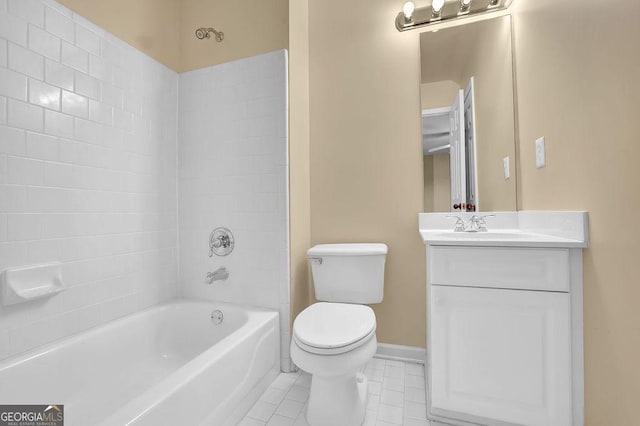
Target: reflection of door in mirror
[(457, 153), (449, 132), (471, 165), (477, 59)]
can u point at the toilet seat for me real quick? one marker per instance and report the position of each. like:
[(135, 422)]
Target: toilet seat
[(333, 328)]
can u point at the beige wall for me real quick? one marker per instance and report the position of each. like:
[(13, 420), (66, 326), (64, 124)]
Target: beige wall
[(427, 170), (165, 29), (438, 94), (299, 172), (437, 183), (250, 27), (366, 155), (491, 65), (577, 72), (441, 183), (151, 26)]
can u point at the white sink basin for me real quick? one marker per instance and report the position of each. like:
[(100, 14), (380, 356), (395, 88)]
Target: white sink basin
[(502, 238), (509, 229), (489, 235)]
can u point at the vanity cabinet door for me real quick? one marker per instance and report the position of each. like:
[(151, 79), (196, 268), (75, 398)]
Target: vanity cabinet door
[(500, 354)]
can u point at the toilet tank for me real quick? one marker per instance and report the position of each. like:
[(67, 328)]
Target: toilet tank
[(348, 273)]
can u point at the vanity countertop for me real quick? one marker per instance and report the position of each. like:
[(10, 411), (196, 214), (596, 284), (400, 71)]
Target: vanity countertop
[(509, 229)]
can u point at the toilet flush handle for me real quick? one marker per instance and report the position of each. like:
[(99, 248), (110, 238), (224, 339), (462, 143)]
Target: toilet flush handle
[(317, 260)]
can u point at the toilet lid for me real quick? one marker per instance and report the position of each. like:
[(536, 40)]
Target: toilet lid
[(333, 325)]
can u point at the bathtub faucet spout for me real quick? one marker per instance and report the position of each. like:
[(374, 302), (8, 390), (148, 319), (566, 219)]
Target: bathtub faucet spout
[(219, 275)]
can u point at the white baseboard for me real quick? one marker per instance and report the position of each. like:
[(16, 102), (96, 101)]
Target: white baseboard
[(401, 353)]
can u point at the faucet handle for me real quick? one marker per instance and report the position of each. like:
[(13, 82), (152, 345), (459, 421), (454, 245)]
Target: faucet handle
[(487, 215), (482, 225), (459, 226), (220, 242)]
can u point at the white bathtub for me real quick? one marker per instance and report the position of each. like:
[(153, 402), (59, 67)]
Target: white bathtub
[(168, 365)]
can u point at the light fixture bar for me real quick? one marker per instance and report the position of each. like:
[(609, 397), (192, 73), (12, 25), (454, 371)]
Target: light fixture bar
[(444, 10)]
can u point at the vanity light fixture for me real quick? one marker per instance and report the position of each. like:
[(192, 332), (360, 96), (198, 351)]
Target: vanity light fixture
[(444, 10), (464, 6), (436, 7), (407, 10)]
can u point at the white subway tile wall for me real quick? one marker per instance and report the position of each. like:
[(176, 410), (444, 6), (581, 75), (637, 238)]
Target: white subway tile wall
[(233, 172), (88, 171)]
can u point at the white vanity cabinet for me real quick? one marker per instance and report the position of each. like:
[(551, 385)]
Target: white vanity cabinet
[(504, 329)]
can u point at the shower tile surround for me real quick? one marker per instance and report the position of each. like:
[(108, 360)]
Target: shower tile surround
[(89, 175), (87, 171), (233, 171)]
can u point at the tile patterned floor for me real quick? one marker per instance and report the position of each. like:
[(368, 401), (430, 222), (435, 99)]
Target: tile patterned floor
[(396, 397)]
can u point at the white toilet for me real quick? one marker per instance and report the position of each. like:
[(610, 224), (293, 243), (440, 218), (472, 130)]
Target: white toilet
[(333, 339)]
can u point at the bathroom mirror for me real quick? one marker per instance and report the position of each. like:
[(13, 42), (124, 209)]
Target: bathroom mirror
[(468, 117)]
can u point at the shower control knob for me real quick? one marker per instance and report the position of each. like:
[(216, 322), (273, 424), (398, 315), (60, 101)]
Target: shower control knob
[(221, 242)]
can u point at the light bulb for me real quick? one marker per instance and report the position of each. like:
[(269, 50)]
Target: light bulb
[(437, 5), (466, 3), (408, 9)]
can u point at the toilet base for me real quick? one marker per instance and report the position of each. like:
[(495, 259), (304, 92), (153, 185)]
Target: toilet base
[(338, 395), (346, 395)]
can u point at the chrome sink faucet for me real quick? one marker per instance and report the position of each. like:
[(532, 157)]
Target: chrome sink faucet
[(459, 226), (475, 223), (219, 274)]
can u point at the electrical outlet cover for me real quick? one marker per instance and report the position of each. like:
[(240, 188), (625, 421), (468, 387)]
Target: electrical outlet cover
[(507, 172), (541, 160)]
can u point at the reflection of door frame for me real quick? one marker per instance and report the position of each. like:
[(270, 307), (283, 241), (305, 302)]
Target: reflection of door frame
[(435, 112), (469, 103)]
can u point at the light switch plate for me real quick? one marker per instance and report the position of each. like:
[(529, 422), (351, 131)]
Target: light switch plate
[(541, 160), (507, 172)]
